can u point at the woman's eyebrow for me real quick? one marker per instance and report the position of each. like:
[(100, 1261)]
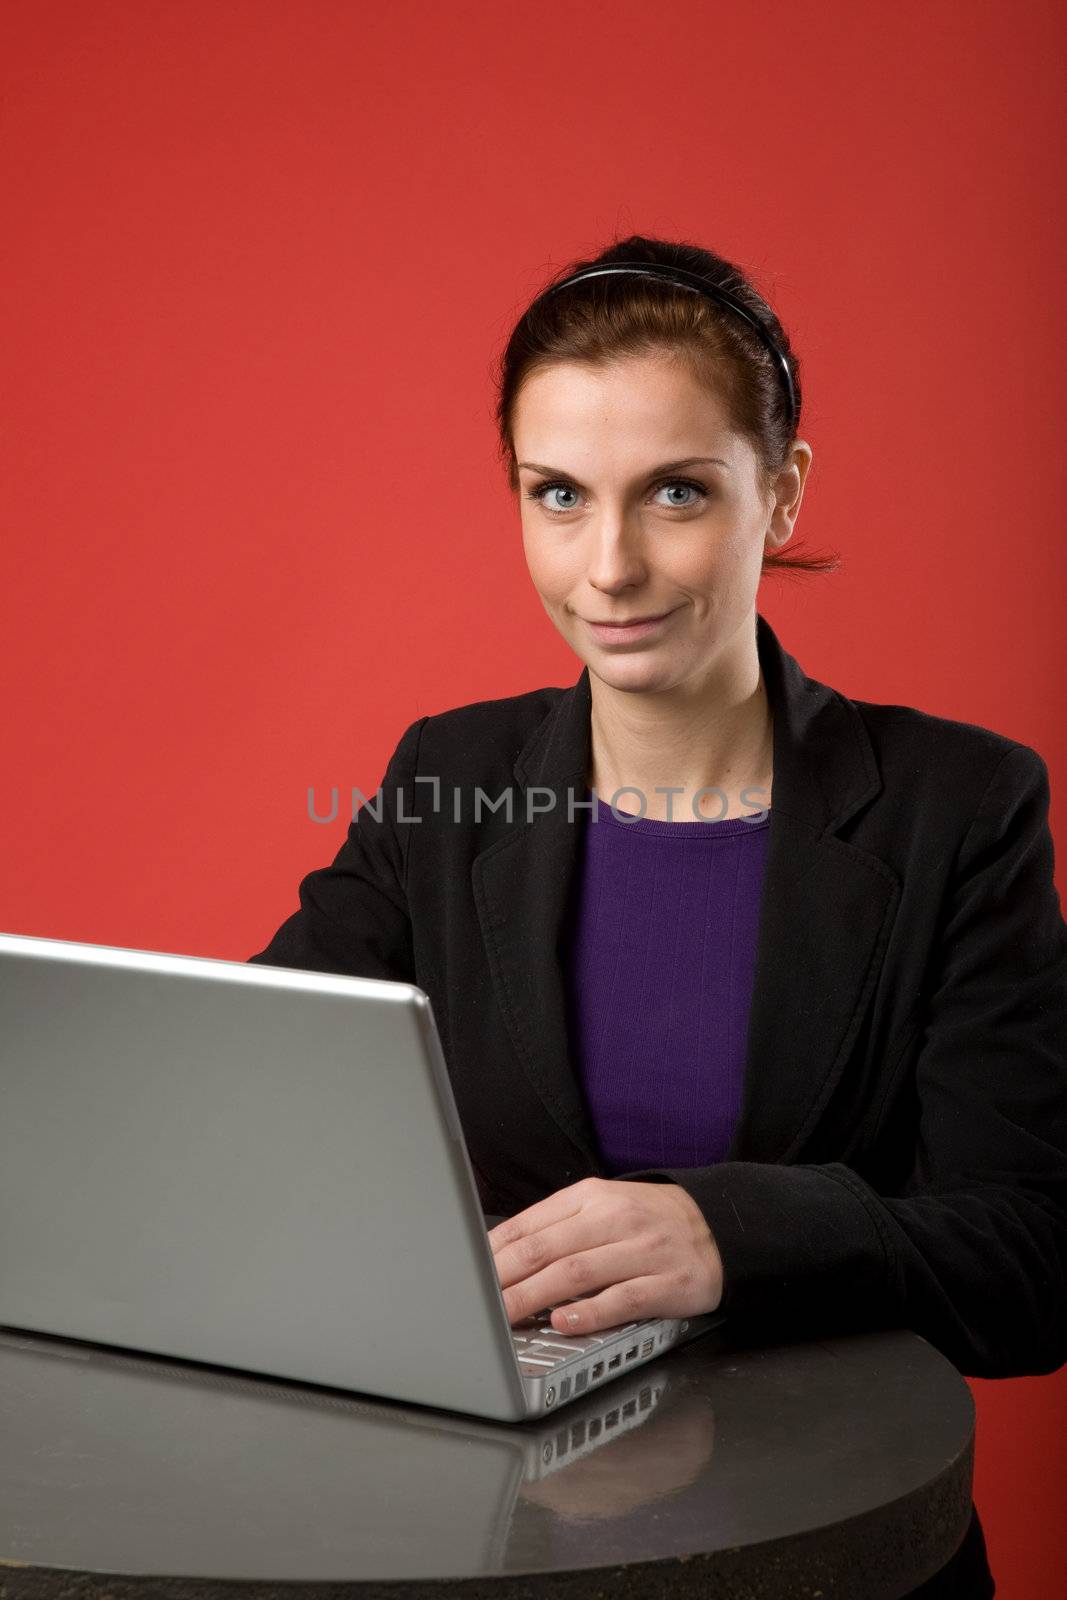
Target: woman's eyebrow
[(656, 472)]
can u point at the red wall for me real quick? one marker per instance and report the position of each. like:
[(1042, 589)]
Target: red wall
[(260, 256)]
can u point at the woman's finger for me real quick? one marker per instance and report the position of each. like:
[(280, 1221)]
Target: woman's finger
[(553, 1208), (571, 1236), (622, 1302), (575, 1276)]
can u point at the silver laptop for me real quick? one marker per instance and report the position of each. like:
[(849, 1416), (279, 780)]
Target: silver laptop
[(261, 1168)]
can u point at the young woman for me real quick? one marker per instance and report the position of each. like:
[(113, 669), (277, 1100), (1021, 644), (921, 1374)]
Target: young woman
[(754, 996)]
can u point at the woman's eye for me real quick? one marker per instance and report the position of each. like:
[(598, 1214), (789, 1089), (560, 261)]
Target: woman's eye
[(554, 508), (683, 505), (553, 488)]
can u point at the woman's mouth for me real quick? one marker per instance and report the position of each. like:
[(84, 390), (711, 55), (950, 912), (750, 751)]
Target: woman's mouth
[(627, 631)]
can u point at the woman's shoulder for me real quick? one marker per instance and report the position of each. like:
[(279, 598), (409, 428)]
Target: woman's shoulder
[(949, 760), (485, 728), (910, 729)]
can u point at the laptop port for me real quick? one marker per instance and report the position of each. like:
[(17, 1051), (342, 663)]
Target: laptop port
[(646, 1348), (598, 1371), (564, 1389), (580, 1381), (616, 1361), (630, 1354)]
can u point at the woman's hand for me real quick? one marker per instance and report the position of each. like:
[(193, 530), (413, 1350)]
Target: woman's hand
[(634, 1249)]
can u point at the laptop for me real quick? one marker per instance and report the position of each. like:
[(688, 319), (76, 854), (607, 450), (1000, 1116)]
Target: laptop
[(261, 1168)]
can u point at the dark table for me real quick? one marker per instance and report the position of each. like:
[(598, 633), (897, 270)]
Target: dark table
[(840, 1466)]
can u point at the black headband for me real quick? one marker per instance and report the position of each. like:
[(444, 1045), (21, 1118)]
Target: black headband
[(692, 280)]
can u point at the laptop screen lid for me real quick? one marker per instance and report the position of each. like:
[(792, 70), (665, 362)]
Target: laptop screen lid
[(245, 1165)]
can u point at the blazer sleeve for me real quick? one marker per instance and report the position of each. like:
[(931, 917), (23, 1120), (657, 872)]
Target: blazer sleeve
[(971, 1253), (353, 915)]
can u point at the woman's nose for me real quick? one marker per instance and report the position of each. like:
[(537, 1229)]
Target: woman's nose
[(616, 558)]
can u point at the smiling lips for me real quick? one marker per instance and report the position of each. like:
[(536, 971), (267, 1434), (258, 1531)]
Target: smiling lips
[(630, 622), (625, 632)]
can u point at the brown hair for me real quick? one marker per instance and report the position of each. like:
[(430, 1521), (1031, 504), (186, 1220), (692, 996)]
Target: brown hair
[(609, 317)]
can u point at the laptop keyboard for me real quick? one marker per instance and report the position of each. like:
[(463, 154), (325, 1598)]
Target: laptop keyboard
[(539, 1347)]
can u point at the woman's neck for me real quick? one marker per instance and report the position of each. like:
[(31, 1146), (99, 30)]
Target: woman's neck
[(653, 743)]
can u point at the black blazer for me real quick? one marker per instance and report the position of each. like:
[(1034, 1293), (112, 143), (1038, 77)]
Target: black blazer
[(901, 1155)]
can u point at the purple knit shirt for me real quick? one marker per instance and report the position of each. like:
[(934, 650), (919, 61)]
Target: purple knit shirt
[(659, 963)]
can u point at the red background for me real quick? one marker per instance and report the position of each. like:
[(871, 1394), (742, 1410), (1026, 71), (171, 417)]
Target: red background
[(260, 257)]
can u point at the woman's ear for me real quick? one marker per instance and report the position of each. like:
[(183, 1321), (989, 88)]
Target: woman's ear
[(788, 494)]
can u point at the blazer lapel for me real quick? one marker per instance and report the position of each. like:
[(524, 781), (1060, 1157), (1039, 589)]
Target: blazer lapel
[(826, 911), (522, 884), (825, 916)]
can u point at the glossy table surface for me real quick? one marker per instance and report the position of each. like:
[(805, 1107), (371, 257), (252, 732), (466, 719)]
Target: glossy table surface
[(841, 1464)]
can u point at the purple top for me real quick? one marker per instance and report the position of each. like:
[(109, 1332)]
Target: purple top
[(659, 966)]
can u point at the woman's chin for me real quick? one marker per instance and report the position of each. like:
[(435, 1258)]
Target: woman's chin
[(637, 670)]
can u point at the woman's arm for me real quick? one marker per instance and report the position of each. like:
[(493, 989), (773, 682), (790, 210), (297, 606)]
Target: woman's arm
[(972, 1253), (353, 915)]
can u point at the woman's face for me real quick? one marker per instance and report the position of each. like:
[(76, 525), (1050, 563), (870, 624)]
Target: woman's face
[(609, 536)]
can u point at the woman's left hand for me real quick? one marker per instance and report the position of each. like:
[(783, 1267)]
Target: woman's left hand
[(644, 1246)]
